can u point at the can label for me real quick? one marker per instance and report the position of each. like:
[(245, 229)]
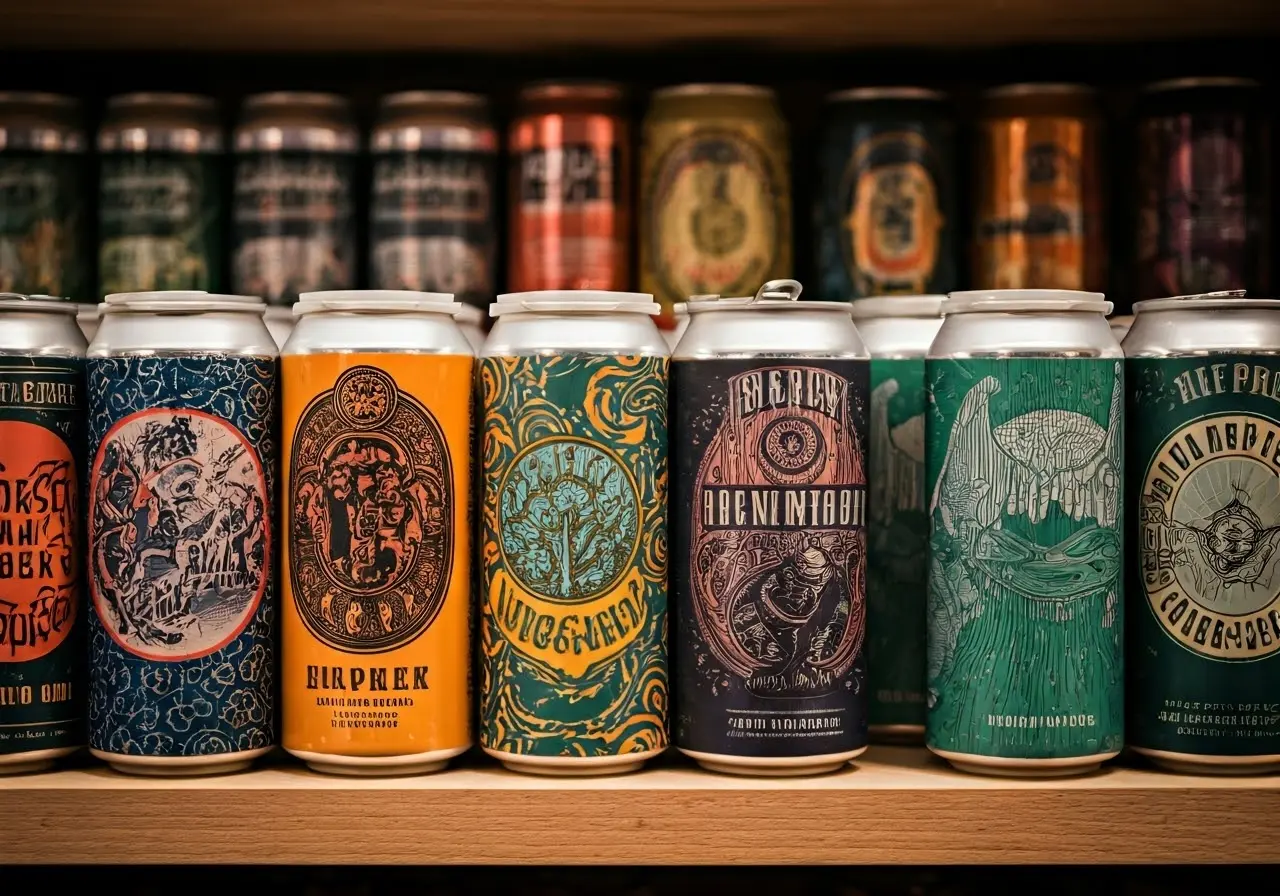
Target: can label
[(1205, 631), (573, 634), (294, 224), (432, 226), (771, 548), (160, 220), (377, 550), (899, 550), (41, 628), (1025, 602), (568, 212), (41, 219), (182, 653), (717, 222)]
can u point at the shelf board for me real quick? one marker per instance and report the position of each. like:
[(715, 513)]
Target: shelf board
[(523, 25), (899, 807)]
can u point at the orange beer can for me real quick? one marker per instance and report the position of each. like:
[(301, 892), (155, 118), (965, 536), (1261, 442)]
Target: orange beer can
[(376, 460)]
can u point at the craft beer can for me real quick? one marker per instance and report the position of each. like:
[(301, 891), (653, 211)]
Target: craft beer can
[(570, 220), (42, 684), (715, 193), (769, 545), (376, 416), (573, 627), (1024, 442), (471, 321), (1204, 445), (886, 208), (898, 331), (181, 450), (1039, 200)]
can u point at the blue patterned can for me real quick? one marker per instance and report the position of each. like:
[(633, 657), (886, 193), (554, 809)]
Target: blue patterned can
[(181, 447)]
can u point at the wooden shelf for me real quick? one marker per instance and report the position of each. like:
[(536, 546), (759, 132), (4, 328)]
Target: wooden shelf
[(898, 807), (508, 25)]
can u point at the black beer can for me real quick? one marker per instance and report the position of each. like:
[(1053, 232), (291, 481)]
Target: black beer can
[(886, 199), (1204, 204)]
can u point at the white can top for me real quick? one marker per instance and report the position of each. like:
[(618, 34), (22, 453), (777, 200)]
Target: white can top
[(586, 301), (469, 314), (376, 301), (897, 306), (1044, 300), (179, 301)]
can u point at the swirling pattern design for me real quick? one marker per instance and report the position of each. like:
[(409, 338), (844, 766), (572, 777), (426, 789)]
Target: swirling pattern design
[(221, 702), (530, 704)]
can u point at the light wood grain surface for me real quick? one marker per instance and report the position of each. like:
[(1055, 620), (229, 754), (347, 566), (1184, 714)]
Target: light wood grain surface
[(898, 807)]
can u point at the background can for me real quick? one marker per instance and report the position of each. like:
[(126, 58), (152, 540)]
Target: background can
[(160, 205), (181, 451), (294, 197), (768, 535), (376, 421), (1024, 443), (471, 321), (715, 193), (432, 195), (42, 669), (886, 206), (1204, 618), (570, 220), (573, 658), (42, 213), (898, 331), (1039, 179), (1204, 181)]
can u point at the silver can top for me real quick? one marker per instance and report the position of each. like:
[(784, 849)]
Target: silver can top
[(1001, 301), (897, 306), (682, 90), (175, 122), (1187, 326), (571, 301), (1228, 298), (45, 122), (285, 120), (866, 94), (775, 295), (376, 301), (177, 301), (16, 301)]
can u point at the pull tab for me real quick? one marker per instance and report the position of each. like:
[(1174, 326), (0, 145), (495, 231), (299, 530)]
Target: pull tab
[(784, 290)]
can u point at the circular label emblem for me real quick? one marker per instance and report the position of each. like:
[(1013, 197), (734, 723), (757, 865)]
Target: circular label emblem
[(1210, 521), (568, 519), (715, 215), (179, 536), (371, 492), (792, 450), (38, 522)]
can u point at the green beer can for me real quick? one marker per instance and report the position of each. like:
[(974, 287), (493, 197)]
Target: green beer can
[(1024, 448), (1204, 465)]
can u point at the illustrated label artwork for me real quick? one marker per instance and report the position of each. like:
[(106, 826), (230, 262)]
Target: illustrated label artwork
[(41, 633), (1025, 601), (40, 224), (376, 614), (1206, 619), (180, 550), (897, 560), (770, 572), (573, 635)]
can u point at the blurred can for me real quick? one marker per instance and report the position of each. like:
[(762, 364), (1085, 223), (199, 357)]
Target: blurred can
[(470, 320), (160, 205), (1039, 207), (886, 201), (432, 216), (42, 217), (570, 221), (1204, 202), (294, 196), (715, 193)]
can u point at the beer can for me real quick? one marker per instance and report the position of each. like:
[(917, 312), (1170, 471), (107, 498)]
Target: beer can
[(570, 221), (182, 451), (573, 627), (1120, 324), (1039, 204), (471, 321), (376, 416), (42, 180), (160, 206), (898, 331), (42, 673), (681, 313), (1204, 201), (1024, 456), (294, 196), (432, 197), (279, 321), (1204, 445), (715, 193), (886, 207), (768, 537)]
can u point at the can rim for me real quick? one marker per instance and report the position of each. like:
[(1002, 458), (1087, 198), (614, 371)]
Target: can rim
[(452, 98), (180, 301), (313, 99), (575, 300), (1194, 82), (751, 303), (1032, 88), (570, 89), (39, 98), (924, 306), (856, 94), (712, 89), (17, 301), (1003, 300), (378, 301), (154, 98), (1231, 298)]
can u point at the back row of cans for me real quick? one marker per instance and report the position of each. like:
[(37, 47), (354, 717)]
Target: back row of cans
[(714, 197)]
